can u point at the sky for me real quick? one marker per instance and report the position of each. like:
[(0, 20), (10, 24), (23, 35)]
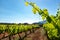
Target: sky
[(15, 11)]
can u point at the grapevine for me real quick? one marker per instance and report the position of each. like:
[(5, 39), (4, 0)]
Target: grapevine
[(52, 25)]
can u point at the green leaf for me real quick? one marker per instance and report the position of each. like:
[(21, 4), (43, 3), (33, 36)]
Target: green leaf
[(48, 19), (43, 17), (26, 3), (45, 12), (34, 10)]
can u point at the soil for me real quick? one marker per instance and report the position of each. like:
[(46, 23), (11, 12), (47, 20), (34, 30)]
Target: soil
[(38, 34)]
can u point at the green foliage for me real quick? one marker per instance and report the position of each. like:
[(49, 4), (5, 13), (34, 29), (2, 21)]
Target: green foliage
[(15, 28), (26, 3), (52, 25), (2, 28), (51, 30), (34, 10)]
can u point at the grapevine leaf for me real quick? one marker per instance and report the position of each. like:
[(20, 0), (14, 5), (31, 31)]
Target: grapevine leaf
[(43, 17), (34, 10), (26, 3)]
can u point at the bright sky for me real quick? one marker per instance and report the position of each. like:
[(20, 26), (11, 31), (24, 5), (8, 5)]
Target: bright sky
[(15, 11)]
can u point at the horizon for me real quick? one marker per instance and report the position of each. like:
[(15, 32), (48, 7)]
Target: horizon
[(15, 11)]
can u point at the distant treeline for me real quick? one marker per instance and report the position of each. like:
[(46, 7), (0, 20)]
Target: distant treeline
[(16, 23)]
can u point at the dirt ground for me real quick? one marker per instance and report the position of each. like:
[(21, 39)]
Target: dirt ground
[(39, 34)]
